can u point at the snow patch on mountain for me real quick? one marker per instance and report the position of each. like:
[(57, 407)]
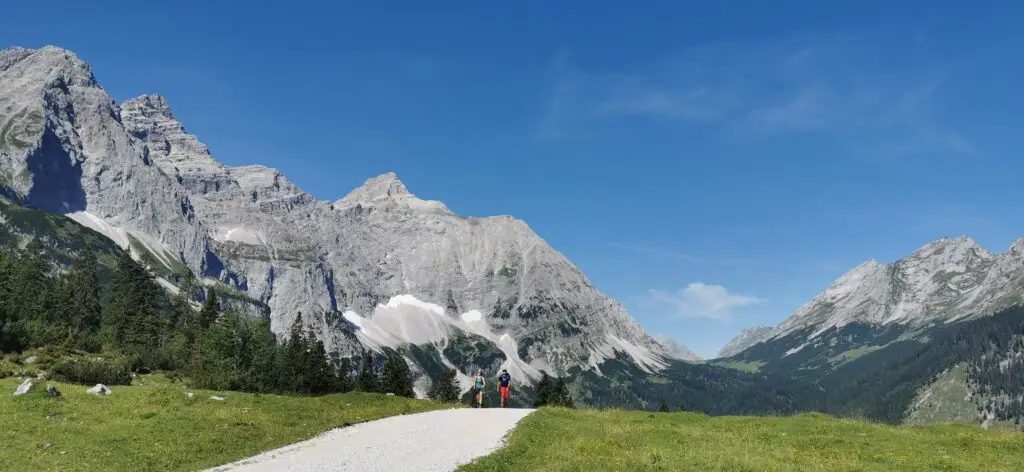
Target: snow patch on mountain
[(101, 226), (405, 320), (472, 316), (240, 235)]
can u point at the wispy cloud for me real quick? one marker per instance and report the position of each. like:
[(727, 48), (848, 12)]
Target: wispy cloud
[(655, 251), (847, 86), (680, 256), (700, 300)]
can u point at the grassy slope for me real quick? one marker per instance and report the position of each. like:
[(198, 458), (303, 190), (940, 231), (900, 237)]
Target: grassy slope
[(154, 426), (944, 400), (558, 439)]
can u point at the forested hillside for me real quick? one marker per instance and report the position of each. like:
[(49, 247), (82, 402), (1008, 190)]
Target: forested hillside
[(69, 289)]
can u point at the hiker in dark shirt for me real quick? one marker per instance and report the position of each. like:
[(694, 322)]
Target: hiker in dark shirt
[(504, 384)]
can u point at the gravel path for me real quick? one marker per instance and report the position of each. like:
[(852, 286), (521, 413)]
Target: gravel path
[(433, 441)]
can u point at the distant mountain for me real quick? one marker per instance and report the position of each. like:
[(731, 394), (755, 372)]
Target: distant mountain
[(677, 350), (884, 339), (946, 280), (377, 269), (745, 339)]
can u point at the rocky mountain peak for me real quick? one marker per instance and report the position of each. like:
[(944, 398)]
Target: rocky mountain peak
[(951, 248), (382, 186), (177, 152), (152, 106), (387, 191), (48, 65), (745, 339)]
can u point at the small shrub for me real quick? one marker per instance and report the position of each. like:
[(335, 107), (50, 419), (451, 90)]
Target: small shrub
[(93, 371), (6, 373)]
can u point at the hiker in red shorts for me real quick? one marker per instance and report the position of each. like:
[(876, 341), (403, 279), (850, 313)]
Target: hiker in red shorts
[(504, 384)]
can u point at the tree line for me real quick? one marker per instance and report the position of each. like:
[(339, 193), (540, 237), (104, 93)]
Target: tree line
[(131, 320)]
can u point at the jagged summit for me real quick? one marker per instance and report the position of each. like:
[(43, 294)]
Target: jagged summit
[(382, 186), (46, 65), (153, 105), (944, 280), (955, 246), (388, 191)]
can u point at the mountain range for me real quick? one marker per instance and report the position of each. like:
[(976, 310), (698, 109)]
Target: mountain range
[(378, 268), (945, 281)]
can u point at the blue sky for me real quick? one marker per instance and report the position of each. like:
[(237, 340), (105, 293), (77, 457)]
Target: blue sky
[(712, 167)]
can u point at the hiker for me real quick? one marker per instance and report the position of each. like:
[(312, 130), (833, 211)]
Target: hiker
[(479, 383), (504, 384)]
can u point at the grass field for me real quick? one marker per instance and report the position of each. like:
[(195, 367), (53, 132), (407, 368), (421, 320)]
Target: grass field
[(588, 440), (154, 426)]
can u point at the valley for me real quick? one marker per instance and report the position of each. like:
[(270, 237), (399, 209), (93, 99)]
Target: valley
[(380, 279)]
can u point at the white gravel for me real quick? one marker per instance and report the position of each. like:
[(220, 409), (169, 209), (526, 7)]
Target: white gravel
[(432, 441)]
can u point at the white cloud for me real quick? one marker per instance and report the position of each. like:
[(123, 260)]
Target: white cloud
[(670, 254), (882, 95), (700, 300)]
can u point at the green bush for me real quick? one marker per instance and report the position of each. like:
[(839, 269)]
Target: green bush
[(93, 371), (5, 373)]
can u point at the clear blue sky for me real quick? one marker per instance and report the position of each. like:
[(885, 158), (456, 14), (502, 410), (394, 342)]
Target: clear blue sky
[(710, 166)]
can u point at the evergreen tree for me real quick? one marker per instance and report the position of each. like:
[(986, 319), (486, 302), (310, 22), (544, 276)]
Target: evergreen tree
[(366, 381), (395, 376), (32, 313), (344, 376), (85, 293), (319, 375), (293, 359), (446, 389), (132, 317), (560, 394), (6, 292), (664, 407), (211, 309), (544, 390), (682, 406)]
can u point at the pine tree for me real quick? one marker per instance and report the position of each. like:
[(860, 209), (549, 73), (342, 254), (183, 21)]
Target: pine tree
[(344, 376), (132, 318), (664, 407), (32, 301), (544, 390), (394, 377), (85, 293), (211, 309), (7, 340), (446, 389), (292, 363), (560, 395), (366, 381), (319, 374)]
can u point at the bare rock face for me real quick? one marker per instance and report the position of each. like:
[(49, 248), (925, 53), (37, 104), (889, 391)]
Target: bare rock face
[(134, 173), (944, 281), (746, 339)]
